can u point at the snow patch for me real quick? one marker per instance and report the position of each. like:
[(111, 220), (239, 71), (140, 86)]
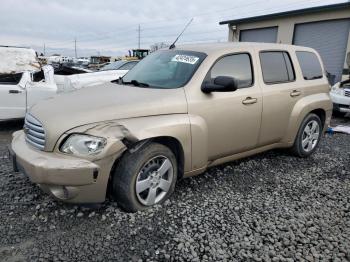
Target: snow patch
[(16, 60)]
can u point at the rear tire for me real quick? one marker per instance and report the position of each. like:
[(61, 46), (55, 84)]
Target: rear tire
[(145, 177), (308, 137)]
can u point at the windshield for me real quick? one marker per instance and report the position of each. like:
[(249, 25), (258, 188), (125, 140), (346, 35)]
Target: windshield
[(113, 66), (165, 69)]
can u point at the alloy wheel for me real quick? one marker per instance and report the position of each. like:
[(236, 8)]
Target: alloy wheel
[(154, 180), (311, 135)]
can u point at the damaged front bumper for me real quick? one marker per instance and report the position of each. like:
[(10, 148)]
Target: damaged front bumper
[(67, 178)]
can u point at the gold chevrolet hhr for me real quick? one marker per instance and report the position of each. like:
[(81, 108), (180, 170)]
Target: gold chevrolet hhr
[(176, 113)]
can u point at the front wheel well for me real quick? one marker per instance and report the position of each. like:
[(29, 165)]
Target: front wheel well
[(175, 146), (172, 143)]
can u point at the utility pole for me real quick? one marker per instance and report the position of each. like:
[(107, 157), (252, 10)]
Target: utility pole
[(139, 35), (44, 50), (75, 47)]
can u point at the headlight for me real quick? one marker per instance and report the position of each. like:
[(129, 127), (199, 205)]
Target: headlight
[(83, 145)]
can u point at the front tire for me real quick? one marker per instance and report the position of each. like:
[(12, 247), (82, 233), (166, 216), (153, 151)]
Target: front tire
[(145, 177), (308, 137)]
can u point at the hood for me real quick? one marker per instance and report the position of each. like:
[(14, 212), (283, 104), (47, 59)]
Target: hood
[(91, 79), (102, 103)]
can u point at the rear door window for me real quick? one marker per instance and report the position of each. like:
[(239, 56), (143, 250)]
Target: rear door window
[(276, 67), (310, 65)]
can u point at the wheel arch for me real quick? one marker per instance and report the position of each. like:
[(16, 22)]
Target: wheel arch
[(319, 104), (175, 146), (321, 113), (171, 142)]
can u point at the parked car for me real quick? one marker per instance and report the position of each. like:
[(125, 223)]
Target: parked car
[(119, 65), (178, 112), (340, 95), (23, 81), (21, 90), (107, 73)]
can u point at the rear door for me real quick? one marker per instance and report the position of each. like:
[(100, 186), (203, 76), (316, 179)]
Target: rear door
[(12, 98), (280, 94)]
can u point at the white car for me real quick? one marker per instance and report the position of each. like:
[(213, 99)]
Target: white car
[(20, 91), (340, 95), (107, 73), (23, 82)]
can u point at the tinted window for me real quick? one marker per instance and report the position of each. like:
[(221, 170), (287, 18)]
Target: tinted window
[(310, 65), (127, 66), (236, 66), (10, 79), (276, 67)]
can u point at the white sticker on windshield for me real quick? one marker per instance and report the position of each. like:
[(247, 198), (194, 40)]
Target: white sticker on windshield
[(188, 59)]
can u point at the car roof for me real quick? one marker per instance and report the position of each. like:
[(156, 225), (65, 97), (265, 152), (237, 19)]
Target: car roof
[(209, 48)]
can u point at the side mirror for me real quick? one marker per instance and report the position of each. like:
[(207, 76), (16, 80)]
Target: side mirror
[(221, 84)]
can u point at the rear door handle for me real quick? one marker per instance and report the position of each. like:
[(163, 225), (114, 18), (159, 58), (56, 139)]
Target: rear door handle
[(249, 101), (14, 91), (295, 93)]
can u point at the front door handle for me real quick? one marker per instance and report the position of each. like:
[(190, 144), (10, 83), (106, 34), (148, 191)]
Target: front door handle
[(295, 93), (249, 100), (14, 91)]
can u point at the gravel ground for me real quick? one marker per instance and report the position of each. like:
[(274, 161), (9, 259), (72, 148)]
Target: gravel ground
[(270, 207)]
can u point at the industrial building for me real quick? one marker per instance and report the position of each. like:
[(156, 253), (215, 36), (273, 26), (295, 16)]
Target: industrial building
[(324, 28)]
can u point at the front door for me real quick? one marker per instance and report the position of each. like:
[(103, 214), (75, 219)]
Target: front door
[(232, 118), (12, 98)]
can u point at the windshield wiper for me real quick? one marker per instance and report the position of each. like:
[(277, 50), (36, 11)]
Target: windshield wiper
[(312, 78), (132, 82), (136, 83)]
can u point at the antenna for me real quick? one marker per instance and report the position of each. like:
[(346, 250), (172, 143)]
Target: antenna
[(177, 38)]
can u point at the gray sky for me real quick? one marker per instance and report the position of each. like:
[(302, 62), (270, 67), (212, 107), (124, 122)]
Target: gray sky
[(110, 27)]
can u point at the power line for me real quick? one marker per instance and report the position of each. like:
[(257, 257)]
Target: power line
[(208, 21), (178, 19), (124, 38)]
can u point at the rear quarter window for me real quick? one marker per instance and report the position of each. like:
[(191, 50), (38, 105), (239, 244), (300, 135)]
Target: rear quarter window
[(310, 65)]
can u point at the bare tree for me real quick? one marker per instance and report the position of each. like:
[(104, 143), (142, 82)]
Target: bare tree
[(159, 45)]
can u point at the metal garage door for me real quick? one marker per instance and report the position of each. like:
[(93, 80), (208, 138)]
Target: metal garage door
[(265, 35), (329, 38)]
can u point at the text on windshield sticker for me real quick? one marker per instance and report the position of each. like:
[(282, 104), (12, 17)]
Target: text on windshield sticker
[(188, 59)]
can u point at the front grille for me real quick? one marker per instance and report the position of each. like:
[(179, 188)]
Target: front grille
[(347, 92), (35, 133)]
